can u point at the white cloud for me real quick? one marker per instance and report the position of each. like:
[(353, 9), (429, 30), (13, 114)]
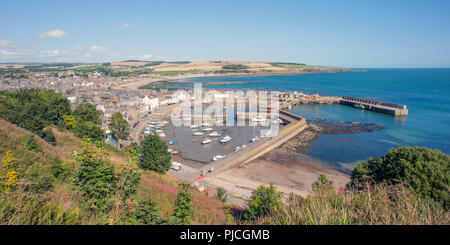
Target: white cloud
[(51, 53), (6, 43), (57, 33), (145, 57), (126, 25), (97, 49), (79, 48), (15, 52)]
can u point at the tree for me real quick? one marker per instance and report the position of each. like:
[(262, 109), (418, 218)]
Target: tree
[(88, 129), (264, 201), (425, 171), (87, 113), (183, 205), (154, 155), (95, 177), (119, 126), (34, 109)]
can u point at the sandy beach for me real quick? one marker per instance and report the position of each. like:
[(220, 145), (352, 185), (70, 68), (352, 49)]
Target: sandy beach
[(289, 172)]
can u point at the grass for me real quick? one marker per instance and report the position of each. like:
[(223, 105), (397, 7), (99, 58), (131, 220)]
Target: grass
[(382, 205)]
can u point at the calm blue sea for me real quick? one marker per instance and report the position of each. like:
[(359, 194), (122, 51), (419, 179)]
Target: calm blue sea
[(424, 91)]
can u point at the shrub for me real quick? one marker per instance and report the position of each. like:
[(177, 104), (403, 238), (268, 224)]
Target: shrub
[(264, 201), (221, 194), (59, 169), (183, 205), (128, 181), (48, 136), (8, 174), (426, 172), (95, 177), (31, 143), (147, 213)]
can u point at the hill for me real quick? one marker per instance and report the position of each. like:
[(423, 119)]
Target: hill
[(45, 191)]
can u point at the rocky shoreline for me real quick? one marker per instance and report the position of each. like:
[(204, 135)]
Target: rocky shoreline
[(314, 129)]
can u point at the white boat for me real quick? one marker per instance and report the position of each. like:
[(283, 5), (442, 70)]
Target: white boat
[(237, 148), (207, 129), (207, 141), (206, 124), (225, 139), (214, 134), (254, 140), (194, 126), (198, 134), (162, 135), (159, 131), (218, 157)]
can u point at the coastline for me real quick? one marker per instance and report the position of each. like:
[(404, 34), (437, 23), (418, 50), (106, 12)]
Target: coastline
[(174, 79)]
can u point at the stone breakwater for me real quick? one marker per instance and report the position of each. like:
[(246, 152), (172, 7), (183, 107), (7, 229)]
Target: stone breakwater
[(321, 126), (302, 140)]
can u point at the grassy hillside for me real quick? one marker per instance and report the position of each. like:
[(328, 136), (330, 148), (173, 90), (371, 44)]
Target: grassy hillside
[(45, 193)]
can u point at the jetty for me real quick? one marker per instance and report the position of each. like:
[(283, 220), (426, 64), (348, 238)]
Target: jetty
[(294, 125), (377, 106)]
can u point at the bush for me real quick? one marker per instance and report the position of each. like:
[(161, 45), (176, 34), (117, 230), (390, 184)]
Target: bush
[(31, 143), (183, 205), (426, 172), (264, 201), (59, 169), (95, 177), (221, 194), (8, 174), (48, 136), (154, 155), (147, 213)]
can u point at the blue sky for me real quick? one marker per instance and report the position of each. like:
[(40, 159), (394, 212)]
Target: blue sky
[(337, 33)]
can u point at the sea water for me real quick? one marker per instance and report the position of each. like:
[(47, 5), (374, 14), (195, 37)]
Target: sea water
[(424, 91)]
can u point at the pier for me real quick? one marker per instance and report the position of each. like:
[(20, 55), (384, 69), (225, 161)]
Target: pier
[(377, 106), (296, 124)]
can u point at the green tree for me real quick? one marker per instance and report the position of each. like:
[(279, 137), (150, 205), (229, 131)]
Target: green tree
[(264, 201), (88, 129), (34, 109), (119, 126), (87, 112), (95, 177), (183, 205), (154, 155), (426, 171)]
